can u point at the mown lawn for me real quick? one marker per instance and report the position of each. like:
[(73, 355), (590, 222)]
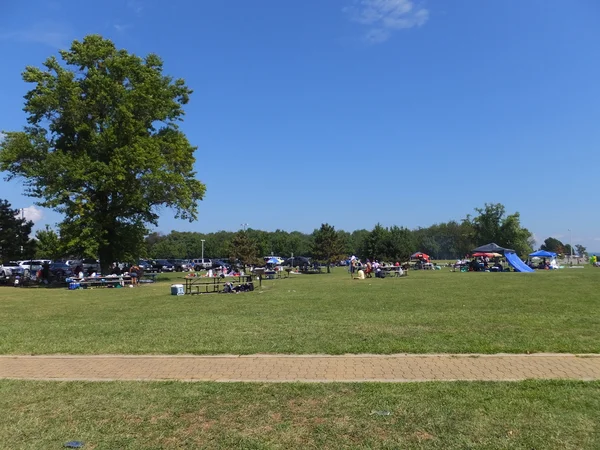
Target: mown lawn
[(426, 312), (528, 415)]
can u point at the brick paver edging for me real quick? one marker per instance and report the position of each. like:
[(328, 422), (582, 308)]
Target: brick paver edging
[(302, 368)]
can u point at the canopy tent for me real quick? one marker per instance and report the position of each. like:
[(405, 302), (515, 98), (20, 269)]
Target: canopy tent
[(492, 248), (543, 254), (419, 255), (489, 255)]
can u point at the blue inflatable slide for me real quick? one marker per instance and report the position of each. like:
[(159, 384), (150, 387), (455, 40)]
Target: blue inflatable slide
[(516, 263)]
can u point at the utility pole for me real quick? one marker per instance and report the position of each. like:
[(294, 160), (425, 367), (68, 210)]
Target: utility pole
[(571, 242), (202, 249), (22, 218), (244, 226)]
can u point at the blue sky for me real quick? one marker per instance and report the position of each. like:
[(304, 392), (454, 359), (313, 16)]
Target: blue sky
[(356, 112)]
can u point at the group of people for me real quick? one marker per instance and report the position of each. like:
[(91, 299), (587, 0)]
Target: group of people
[(544, 264), (135, 272), (479, 264), (371, 267)]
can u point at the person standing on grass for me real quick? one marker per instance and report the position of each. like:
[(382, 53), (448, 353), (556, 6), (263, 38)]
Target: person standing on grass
[(134, 272)]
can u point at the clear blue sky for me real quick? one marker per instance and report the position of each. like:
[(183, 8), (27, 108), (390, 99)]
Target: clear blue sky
[(356, 112)]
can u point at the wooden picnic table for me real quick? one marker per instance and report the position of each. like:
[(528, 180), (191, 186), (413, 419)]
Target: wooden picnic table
[(393, 270), (101, 281), (206, 285)]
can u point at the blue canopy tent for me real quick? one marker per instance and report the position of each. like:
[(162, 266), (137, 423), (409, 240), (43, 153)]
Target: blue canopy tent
[(543, 254)]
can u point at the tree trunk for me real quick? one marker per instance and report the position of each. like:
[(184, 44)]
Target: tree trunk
[(106, 256)]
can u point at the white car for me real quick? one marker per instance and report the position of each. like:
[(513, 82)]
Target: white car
[(9, 269), (202, 263)]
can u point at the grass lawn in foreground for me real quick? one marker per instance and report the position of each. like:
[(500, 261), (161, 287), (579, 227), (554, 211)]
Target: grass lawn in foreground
[(527, 415), (426, 312)]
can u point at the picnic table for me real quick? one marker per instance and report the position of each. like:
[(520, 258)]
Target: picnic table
[(312, 269), (206, 285), (393, 271), (101, 281), (148, 277)]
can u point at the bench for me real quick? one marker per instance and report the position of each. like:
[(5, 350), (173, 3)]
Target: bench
[(148, 277), (102, 281), (393, 272), (204, 285)]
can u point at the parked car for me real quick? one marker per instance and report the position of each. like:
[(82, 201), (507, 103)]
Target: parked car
[(11, 269), (162, 265), (146, 266), (33, 265), (90, 265), (218, 263), (180, 264), (202, 263), (60, 270), (72, 262)]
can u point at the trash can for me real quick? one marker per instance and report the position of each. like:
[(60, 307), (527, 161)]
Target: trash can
[(177, 289)]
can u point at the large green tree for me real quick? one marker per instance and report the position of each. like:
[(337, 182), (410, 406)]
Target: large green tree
[(48, 244), (553, 245), (328, 245), (103, 147), (14, 234), (244, 248), (492, 224)]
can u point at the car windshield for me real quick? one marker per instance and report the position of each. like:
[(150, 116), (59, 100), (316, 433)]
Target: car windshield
[(164, 262)]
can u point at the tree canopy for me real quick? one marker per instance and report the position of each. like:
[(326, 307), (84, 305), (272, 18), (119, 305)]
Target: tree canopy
[(244, 249), (328, 245), (493, 225), (48, 244), (552, 244), (102, 146), (14, 234)]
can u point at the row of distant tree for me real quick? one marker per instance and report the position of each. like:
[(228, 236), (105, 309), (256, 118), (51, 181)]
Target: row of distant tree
[(446, 240), (441, 241)]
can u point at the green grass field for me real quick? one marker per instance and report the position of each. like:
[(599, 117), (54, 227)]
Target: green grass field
[(527, 415), (426, 312)]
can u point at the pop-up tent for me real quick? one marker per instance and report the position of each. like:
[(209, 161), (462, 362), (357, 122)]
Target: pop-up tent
[(492, 248), (509, 254), (543, 254)]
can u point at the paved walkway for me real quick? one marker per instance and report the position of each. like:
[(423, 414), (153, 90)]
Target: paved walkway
[(305, 368)]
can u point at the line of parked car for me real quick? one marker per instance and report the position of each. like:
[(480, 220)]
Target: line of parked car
[(58, 269), (182, 265), (65, 268)]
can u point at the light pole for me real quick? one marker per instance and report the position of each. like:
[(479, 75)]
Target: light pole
[(202, 249), (571, 243), (22, 218), (244, 225)]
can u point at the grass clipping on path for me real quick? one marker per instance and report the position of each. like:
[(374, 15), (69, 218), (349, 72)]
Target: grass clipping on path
[(426, 312), (535, 414)]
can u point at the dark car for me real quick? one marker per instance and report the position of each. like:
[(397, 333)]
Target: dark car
[(90, 266), (179, 264), (146, 266), (297, 261), (219, 263), (162, 265), (60, 270)]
